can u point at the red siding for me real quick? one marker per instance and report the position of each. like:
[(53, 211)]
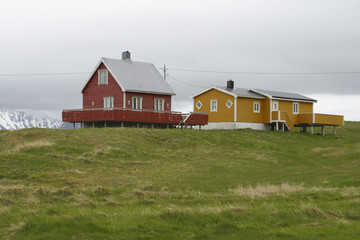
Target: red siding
[(96, 93), (148, 102)]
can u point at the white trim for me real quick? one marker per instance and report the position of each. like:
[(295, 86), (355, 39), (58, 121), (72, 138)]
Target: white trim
[(150, 92), (255, 110), (261, 93), (235, 109), (106, 80), (196, 104), (292, 100), (270, 109), (132, 104), (162, 104), (235, 125), (231, 103), (124, 100), (277, 98), (211, 101), (212, 87), (224, 91), (298, 108), (277, 103), (108, 101), (95, 69)]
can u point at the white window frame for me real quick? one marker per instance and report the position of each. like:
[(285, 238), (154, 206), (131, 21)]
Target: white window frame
[(137, 103), (231, 103), (159, 104), (275, 103), (215, 102), (296, 108), (108, 102), (198, 105), (103, 77), (256, 107)]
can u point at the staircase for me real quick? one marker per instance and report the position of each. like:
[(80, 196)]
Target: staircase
[(282, 117)]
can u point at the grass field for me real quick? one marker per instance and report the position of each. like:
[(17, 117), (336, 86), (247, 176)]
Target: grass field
[(173, 184)]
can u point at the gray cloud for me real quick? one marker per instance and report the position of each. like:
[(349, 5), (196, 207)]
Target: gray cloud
[(242, 36)]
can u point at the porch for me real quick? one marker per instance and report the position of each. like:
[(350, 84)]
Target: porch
[(281, 119), (122, 117)]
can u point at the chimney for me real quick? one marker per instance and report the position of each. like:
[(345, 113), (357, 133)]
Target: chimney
[(230, 84), (126, 55)]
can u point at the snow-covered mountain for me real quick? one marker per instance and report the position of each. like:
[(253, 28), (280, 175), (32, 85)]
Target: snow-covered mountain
[(18, 120)]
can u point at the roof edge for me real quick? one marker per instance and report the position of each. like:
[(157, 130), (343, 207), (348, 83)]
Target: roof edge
[(213, 87)]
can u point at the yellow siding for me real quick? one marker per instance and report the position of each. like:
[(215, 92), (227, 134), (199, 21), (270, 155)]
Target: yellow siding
[(327, 119), (266, 112), (287, 106), (245, 110), (223, 114)]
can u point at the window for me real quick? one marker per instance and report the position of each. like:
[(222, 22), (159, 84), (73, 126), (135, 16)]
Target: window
[(256, 107), (198, 104), (159, 104), (295, 108), (275, 106), (137, 103), (213, 105), (103, 76), (229, 103), (108, 102)]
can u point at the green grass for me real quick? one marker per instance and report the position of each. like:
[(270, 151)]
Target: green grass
[(171, 184)]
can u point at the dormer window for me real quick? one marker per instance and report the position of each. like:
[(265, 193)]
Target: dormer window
[(103, 76)]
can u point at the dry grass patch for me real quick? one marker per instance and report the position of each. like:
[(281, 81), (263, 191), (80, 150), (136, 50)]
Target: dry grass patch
[(39, 191), (16, 190), (261, 191), (101, 190), (34, 144), (139, 193), (62, 192)]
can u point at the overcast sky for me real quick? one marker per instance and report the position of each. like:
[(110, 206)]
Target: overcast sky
[(253, 36)]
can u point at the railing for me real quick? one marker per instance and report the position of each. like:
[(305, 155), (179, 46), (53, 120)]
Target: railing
[(288, 120), (130, 115), (320, 119), (308, 118)]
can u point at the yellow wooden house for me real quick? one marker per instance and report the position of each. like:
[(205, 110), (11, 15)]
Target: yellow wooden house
[(236, 108)]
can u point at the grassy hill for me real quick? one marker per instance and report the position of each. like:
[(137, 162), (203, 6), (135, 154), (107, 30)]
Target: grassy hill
[(171, 184)]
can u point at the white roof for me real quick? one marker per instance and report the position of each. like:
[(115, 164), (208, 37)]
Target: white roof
[(135, 76)]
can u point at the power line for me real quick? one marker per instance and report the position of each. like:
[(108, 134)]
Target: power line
[(194, 85), (41, 74), (262, 73)]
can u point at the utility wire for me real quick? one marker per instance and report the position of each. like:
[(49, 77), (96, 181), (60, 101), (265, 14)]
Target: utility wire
[(185, 70), (41, 74), (263, 73), (194, 85)]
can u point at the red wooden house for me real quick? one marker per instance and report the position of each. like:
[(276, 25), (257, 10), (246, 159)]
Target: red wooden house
[(122, 92)]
